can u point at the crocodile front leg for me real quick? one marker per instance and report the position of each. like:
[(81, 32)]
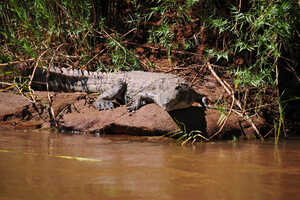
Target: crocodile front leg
[(104, 101), (139, 100)]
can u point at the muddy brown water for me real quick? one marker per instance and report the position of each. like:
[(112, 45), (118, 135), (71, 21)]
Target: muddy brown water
[(44, 165)]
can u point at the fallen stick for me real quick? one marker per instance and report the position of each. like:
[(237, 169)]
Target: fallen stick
[(32, 76), (16, 62), (237, 102)]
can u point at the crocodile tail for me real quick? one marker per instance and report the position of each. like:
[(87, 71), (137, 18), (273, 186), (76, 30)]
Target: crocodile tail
[(69, 80), (75, 73)]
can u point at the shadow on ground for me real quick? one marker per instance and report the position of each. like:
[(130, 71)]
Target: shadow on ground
[(193, 118)]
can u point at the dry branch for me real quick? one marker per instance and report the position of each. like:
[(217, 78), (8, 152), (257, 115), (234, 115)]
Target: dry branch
[(244, 115), (15, 62)]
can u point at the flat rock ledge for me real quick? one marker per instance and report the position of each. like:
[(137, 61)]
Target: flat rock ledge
[(75, 112)]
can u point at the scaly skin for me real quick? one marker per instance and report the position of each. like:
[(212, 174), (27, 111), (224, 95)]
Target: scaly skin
[(134, 88)]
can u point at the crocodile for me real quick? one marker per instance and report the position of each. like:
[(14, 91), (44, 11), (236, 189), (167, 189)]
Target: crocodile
[(132, 88)]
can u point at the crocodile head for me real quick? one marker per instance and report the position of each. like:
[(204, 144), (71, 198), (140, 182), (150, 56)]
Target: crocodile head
[(181, 97)]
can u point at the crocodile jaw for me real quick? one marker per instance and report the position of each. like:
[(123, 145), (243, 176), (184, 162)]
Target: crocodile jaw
[(176, 100), (178, 106)]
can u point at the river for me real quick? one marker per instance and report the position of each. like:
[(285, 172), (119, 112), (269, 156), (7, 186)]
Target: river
[(44, 165)]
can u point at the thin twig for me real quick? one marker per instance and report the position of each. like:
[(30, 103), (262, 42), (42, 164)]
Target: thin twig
[(224, 122), (124, 35), (199, 135), (32, 75), (237, 102), (15, 62), (163, 49), (184, 68), (4, 83), (96, 56), (9, 87), (270, 131), (50, 100)]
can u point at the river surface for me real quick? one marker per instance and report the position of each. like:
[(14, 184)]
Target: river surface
[(44, 165)]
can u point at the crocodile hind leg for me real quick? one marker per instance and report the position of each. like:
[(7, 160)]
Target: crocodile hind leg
[(104, 101)]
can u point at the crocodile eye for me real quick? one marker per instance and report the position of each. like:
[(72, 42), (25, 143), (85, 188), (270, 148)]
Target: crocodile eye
[(177, 87)]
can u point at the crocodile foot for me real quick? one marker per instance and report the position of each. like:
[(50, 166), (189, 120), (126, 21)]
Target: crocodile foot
[(104, 105), (132, 108)]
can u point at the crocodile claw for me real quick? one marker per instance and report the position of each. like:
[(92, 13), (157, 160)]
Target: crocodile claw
[(104, 105), (131, 108)]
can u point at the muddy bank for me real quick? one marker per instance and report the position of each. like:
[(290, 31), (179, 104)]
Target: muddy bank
[(75, 111)]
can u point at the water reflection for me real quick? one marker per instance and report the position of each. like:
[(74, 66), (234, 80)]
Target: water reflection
[(144, 170)]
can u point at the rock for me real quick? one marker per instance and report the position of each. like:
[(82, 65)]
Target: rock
[(16, 111), (234, 125), (75, 111), (12, 105), (148, 120)]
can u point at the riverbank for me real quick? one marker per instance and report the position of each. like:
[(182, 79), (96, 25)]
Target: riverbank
[(76, 113), (244, 63)]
